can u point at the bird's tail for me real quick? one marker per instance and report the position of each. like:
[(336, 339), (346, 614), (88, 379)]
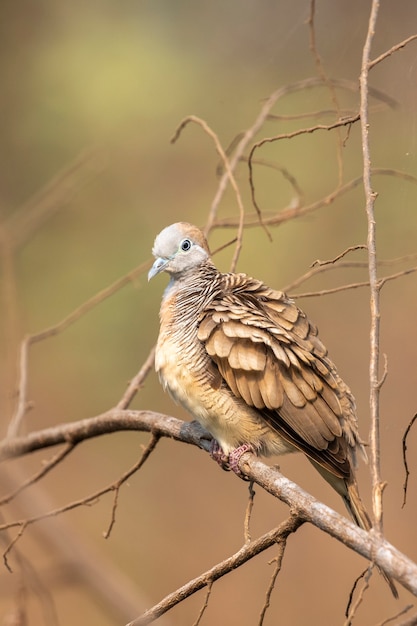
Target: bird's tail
[(360, 516)]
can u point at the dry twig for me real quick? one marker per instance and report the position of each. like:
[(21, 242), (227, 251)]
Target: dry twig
[(404, 448), (229, 173), (370, 197), (322, 73), (247, 552), (22, 400)]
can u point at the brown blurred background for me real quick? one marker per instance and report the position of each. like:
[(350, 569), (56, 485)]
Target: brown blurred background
[(91, 93)]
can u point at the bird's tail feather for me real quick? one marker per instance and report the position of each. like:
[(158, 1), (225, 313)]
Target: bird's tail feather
[(348, 489), (360, 516)]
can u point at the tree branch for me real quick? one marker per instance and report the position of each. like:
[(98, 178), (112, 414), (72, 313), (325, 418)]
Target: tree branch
[(370, 197), (247, 552), (370, 545)]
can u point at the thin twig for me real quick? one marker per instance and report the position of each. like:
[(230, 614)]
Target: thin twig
[(388, 53), (314, 114), (299, 194), (290, 135), (404, 446), (205, 605), (370, 197), (339, 256), (56, 459), (55, 195), (229, 172), (317, 269), (137, 382), (291, 212), (243, 555), (248, 513), (88, 500), (407, 608), (246, 137), (10, 334), (22, 401), (411, 621), (116, 486), (353, 607), (278, 564), (366, 283), (7, 551), (322, 73)]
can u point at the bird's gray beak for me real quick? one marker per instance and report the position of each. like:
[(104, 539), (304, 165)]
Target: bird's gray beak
[(159, 266)]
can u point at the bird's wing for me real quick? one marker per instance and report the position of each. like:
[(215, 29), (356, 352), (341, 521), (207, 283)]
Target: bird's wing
[(270, 356)]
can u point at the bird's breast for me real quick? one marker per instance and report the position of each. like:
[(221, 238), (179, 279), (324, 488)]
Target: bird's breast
[(186, 372), (181, 372)]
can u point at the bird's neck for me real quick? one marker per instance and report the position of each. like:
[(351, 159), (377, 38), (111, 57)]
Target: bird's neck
[(190, 292)]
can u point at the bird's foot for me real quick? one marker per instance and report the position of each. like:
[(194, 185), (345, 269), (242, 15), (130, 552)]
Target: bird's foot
[(216, 453), (236, 455), (231, 461)]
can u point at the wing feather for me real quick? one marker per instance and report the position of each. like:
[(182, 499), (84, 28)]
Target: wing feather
[(270, 356)]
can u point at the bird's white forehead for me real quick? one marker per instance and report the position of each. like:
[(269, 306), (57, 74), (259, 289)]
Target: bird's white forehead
[(167, 242)]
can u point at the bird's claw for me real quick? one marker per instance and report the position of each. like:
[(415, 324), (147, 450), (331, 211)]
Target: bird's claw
[(216, 453), (235, 456), (231, 461)]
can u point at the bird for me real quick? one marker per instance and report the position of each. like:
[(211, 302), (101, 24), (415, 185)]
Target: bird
[(246, 362)]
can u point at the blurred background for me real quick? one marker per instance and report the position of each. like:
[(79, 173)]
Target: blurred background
[(91, 93)]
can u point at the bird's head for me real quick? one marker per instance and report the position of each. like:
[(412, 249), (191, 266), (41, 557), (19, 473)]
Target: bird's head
[(178, 248)]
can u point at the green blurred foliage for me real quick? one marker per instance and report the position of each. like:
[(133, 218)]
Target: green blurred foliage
[(111, 82)]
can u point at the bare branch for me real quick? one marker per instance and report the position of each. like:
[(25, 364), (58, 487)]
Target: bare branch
[(22, 529), (246, 137), (339, 256), (205, 605), (56, 459), (115, 420), (291, 135), (291, 212), (229, 173), (248, 513), (388, 53), (370, 544), (137, 382), (55, 195), (404, 446), (322, 73), (353, 606), (116, 486), (79, 561), (370, 197), (412, 621), (88, 500), (243, 555), (366, 283), (278, 564), (397, 615), (22, 402)]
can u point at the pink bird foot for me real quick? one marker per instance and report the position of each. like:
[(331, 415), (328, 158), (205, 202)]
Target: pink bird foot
[(216, 453), (236, 455), (231, 461)]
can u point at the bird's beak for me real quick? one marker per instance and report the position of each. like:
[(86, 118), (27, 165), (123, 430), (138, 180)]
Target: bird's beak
[(159, 266)]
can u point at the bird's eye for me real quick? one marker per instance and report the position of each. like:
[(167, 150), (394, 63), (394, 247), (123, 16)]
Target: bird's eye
[(185, 245)]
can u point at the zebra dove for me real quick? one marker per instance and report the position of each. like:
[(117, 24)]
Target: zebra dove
[(246, 362)]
